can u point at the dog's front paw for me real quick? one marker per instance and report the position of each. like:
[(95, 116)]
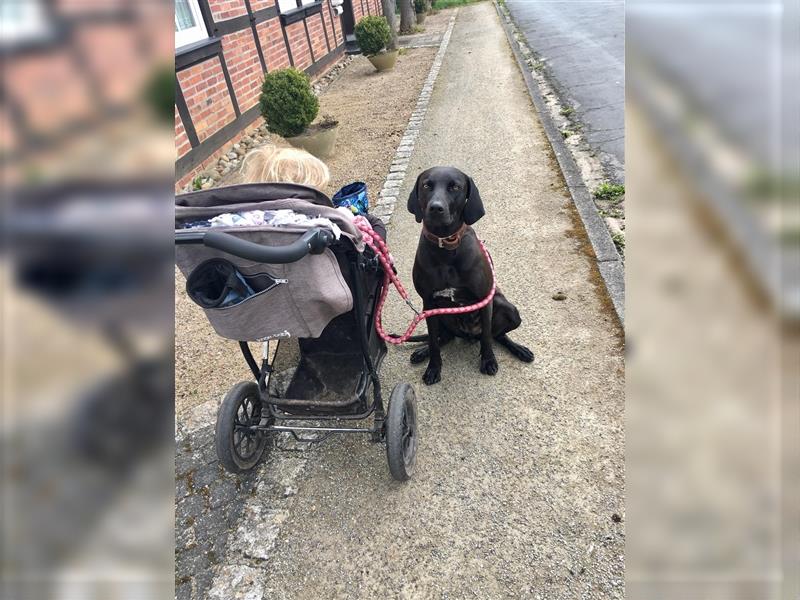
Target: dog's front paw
[(489, 365), (420, 355), (433, 374), (525, 354)]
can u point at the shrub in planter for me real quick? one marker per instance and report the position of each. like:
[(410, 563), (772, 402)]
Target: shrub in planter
[(373, 35), (287, 102), (288, 105)]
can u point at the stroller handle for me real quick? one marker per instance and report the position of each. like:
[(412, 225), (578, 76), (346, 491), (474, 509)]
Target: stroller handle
[(313, 241)]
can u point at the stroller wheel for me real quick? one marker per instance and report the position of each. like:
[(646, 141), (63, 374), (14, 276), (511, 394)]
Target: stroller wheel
[(238, 448), (401, 432)]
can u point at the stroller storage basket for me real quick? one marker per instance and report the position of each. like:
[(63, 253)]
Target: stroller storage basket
[(308, 292)]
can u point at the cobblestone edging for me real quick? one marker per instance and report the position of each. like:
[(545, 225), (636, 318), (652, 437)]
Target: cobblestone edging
[(397, 171)]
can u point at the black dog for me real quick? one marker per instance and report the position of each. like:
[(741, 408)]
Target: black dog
[(450, 269)]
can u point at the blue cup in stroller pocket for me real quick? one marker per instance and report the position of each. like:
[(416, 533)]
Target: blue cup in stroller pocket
[(353, 196)]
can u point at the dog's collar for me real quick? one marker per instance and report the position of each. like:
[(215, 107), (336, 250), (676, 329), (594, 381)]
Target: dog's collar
[(451, 242)]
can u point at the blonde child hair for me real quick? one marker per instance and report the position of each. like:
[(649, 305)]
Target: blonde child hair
[(284, 165)]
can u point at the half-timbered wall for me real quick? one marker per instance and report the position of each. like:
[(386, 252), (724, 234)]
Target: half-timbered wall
[(218, 79)]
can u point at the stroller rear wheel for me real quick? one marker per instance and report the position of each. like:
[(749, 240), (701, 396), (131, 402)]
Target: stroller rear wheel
[(401, 432), (239, 448)]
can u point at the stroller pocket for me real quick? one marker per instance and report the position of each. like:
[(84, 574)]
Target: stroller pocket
[(255, 318), (217, 284)]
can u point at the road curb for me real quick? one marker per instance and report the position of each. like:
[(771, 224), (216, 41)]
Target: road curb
[(609, 262), (384, 208)]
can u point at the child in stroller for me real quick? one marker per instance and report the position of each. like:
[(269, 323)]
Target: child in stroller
[(306, 288)]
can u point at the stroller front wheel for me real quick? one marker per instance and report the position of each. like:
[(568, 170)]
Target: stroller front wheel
[(239, 447), (401, 432)]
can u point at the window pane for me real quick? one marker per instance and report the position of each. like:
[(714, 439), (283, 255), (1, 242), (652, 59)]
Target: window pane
[(184, 19)]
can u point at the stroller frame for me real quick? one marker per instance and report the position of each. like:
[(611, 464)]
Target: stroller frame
[(369, 375), (251, 412)]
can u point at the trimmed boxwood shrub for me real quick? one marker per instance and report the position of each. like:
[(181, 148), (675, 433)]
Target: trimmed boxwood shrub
[(373, 34), (287, 102)]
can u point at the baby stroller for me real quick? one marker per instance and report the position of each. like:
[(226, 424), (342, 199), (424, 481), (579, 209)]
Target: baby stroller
[(308, 293)]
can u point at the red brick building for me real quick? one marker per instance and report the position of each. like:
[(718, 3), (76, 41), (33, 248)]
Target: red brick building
[(222, 50)]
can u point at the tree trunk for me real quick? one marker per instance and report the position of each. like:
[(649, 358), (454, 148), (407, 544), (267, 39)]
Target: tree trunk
[(407, 17), (388, 12)]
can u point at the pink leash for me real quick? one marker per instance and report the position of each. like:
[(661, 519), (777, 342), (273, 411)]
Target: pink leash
[(373, 240)]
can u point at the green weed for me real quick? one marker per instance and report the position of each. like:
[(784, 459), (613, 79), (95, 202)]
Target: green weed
[(609, 191), (442, 4)]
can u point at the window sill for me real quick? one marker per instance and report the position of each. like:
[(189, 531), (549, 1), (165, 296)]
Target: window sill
[(191, 54), (298, 14)]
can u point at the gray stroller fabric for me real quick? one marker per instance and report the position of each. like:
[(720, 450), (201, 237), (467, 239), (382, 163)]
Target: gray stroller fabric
[(308, 293)]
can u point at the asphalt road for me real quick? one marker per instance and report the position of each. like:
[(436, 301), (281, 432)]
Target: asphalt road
[(582, 43)]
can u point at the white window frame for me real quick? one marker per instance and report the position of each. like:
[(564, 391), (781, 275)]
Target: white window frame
[(285, 6), (193, 34), (30, 24)]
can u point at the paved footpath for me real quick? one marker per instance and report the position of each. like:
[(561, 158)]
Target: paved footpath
[(520, 477)]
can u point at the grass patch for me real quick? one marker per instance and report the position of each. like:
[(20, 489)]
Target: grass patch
[(197, 183), (567, 111), (442, 4), (619, 240), (566, 133), (609, 191)]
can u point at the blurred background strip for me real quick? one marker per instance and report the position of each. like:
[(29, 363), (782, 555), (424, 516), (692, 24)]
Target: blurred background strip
[(87, 427), (713, 299)]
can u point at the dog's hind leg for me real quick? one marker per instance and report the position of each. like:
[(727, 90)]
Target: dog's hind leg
[(518, 350), (422, 354)]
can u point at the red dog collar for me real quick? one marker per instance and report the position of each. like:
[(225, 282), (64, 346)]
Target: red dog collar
[(451, 242)]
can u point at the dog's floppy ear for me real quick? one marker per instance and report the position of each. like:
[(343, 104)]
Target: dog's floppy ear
[(474, 207), (413, 201)]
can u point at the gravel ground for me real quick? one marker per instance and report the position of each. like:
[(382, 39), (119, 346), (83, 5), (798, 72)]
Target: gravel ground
[(372, 109)]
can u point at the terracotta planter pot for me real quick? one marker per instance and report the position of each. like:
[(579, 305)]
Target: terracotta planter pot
[(384, 61), (421, 18), (316, 140)]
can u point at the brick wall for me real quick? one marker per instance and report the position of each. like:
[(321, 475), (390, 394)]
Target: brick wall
[(207, 97), (227, 9), (313, 45), (244, 67)]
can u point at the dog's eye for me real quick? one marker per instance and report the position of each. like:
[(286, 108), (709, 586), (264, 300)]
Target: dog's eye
[(454, 187), (426, 185)]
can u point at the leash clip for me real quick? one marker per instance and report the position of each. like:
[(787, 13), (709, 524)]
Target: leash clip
[(412, 306)]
